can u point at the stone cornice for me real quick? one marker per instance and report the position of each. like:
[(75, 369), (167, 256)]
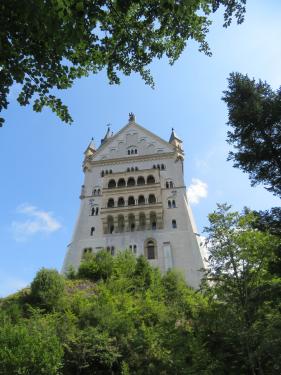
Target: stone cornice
[(132, 159)]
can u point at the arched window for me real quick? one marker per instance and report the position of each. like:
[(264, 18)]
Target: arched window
[(136, 151), (110, 224), (121, 202), (136, 169), (153, 221), (154, 166), (131, 181), (167, 185), (111, 184), (158, 166), (162, 166), (131, 201), (106, 172), (150, 249), (121, 223), (128, 169), (92, 231), (174, 223), (171, 184), (132, 169), (97, 211), (173, 204), (142, 221), (98, 191), (169, 204), (102, 174), (121, 182), (112, 250), (132, 223), (129, 152), (93, 211), (110, 171), (141, 200), (140, 180), (94, 192), (110, 203), (150, 180), (151, 199)]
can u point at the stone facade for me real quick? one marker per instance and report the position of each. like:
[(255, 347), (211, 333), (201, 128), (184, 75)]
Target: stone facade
[(134, 197)]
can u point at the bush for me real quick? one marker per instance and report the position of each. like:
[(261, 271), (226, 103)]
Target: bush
[(97, 266), (47, 289)]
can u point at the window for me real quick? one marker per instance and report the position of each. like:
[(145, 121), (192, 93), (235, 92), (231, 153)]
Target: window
[(154, 166), (163, 167), (97, 211), (111, 184), (132, 224), (132, 169), (106, 172), (169, 204), (93, 211), (131, 201), (131, 181), (158, 166), (136, 151), (92, 231), (150, 250), (110, 203), (151, 199), (171, 184), (133, 249), (128, 169), (98, 191), (102, 174), (121, 202), (121, 182), (141, 200), (136, 169), (110, 224), (153, 221), (167, 185), (173, 204), (129, 152), (94, 192), (141, 180), (121, 223), (174, 224), (110, 171), (110, 249), (150, 180)]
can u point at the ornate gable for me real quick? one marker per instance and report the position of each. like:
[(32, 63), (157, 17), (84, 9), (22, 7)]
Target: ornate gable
[(134, 140)]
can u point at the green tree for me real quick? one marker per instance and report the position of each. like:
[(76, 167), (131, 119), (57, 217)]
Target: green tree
[(47, 44), (47, 289), (244, 297), (254, 115), (30, 347), (97, 266)]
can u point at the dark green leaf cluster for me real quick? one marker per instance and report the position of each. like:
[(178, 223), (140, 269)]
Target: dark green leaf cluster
[(254, 111), (47, 44)]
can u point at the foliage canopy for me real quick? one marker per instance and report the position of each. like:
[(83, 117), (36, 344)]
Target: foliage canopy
[(47, 44)]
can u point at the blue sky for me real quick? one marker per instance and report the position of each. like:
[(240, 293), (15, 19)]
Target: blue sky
[(41, 157)]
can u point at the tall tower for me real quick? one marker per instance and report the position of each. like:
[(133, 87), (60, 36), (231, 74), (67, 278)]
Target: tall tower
[(134, 197)]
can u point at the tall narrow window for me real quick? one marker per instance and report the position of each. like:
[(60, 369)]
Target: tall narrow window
[(93, 211), (150, 250), (92, 231), (173, 204), (97, 211), (174, 223), (169, 204)]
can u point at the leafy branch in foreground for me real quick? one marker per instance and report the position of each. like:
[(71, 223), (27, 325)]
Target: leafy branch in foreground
[(47, 44)]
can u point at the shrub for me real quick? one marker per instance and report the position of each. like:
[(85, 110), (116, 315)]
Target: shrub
[(97, 266)]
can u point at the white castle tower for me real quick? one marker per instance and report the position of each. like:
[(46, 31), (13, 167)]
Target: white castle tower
[(134, 197)]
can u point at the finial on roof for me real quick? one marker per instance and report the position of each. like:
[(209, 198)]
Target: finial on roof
[(132, 117), (174, 138)]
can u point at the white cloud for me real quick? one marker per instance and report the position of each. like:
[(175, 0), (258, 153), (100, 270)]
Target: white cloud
[(197, 190), (37, 221)]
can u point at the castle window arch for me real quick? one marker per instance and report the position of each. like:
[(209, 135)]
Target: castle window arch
[(169, 204), (151, 199), (153, 221), (128, 169), (142, 220), (92, 231), (110, 203), (111, 184), (106, 172), (98, 191), (121, 182), (140, 180), (163, 166), (154, 166), (97, 211), (141, 200), (174, 224), (102, 174), (131, 181), (131, 201), (132, 222), (132, 169), (129, 152), (110, 224), (93, 211), (121, 202), (150, 249), (174, 204), (121, 223), (150, 179)]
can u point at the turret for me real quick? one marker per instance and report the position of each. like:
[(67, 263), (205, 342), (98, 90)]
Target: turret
[(175, 140)]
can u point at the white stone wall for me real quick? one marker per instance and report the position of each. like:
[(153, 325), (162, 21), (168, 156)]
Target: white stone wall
[(180, 244)]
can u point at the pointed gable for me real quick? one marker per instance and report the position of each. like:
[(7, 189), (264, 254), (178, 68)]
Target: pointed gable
[(134, 140)]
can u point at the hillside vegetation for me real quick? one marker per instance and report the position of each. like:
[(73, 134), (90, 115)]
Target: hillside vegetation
[(118, 315)]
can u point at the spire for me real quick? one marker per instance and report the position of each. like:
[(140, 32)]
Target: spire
[(107, 135), (174, 139), (91, 149)]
